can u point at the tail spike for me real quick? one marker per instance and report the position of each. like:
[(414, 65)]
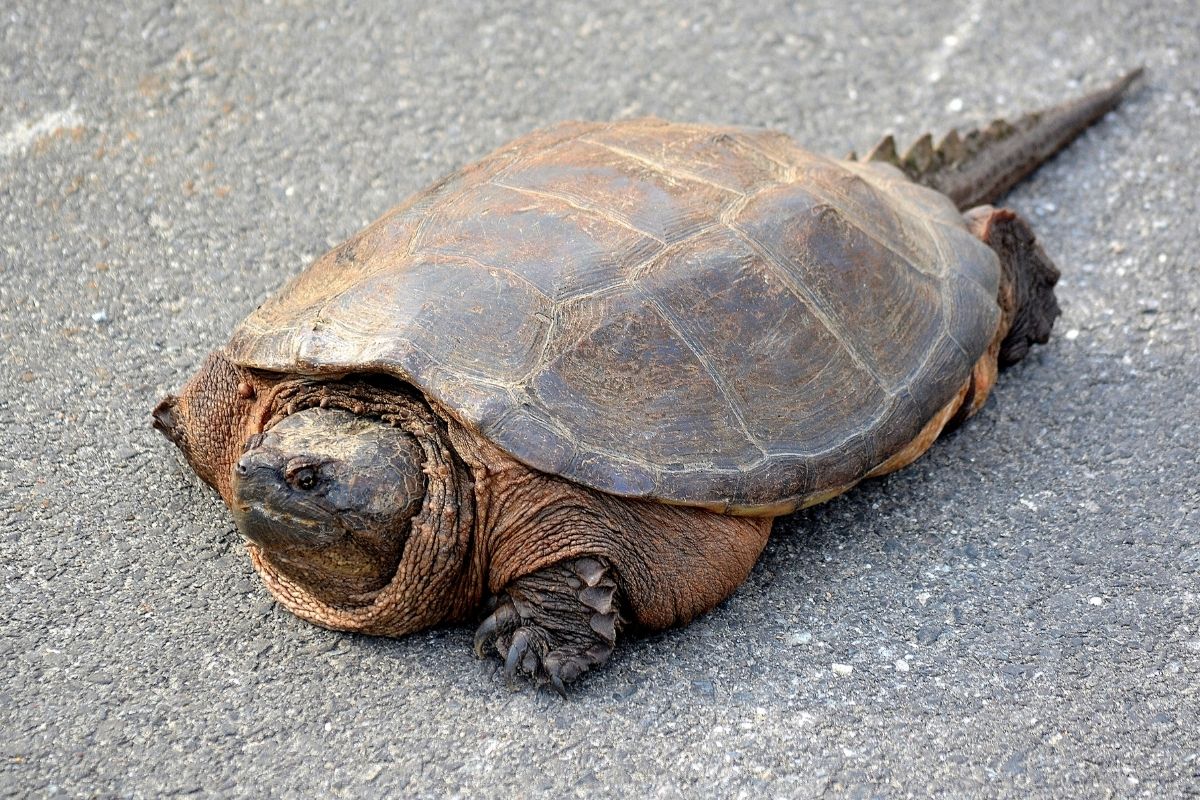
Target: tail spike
[(980, 166), (999, 129), (920, 156), (951, 149), (884, 151)]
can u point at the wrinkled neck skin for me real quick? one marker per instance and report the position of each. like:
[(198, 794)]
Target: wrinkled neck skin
[(439, 578)]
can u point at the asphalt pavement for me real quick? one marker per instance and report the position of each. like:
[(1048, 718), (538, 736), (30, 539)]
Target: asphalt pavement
[(1013, 616)]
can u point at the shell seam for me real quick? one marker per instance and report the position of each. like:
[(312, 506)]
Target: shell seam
[(577, 205), (826, 317), (661, 168), (705, 359)]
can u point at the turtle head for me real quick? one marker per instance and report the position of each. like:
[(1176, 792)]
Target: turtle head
[(328, 497)]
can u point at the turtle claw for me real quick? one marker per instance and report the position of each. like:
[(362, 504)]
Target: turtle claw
[(502, 621), (529, 655), (517, 651), (553, 626)]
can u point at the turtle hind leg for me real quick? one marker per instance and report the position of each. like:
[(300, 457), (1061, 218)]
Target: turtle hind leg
[(555, 624), (1026, 284)]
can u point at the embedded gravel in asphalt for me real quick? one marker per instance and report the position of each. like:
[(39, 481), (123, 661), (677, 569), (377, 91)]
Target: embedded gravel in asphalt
[(1013, 616)]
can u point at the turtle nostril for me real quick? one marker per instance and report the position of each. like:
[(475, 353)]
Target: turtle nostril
[(243, 465)]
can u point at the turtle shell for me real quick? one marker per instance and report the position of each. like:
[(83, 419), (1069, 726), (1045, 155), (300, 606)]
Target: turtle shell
[(699, 315)]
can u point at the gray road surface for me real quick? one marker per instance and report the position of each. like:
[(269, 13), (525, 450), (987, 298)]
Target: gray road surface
[(1016, 614)]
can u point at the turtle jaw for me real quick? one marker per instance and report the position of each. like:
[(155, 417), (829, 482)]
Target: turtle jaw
[(271, 528), (304, 539), (272, 514)]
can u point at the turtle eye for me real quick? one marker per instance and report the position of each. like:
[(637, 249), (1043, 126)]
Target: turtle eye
[(304, 478)]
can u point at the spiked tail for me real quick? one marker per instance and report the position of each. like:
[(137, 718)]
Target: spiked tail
[(981, 166)]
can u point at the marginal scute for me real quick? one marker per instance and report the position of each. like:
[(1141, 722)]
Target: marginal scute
[(700, 315), (381, 320), (524, 424)]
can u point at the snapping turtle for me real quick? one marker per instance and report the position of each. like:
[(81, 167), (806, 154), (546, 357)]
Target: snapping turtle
[(573, 383)]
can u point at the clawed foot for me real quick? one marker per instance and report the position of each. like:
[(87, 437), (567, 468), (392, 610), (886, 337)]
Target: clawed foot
[(554, 625)]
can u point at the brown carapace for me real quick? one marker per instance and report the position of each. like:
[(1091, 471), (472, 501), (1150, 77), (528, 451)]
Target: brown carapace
[(570, 385)]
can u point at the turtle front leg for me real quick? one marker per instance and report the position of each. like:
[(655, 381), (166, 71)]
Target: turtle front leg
[(571, 567), (555, 624)]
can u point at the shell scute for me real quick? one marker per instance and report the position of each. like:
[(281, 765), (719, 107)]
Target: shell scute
[(758, 334), (661, 205), (555, 246), (617, 368), (728, 159)]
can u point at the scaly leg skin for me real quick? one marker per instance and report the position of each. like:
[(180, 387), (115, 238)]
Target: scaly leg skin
[(554, 624)]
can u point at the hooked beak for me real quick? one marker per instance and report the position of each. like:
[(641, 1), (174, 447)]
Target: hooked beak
[(266, 508)]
